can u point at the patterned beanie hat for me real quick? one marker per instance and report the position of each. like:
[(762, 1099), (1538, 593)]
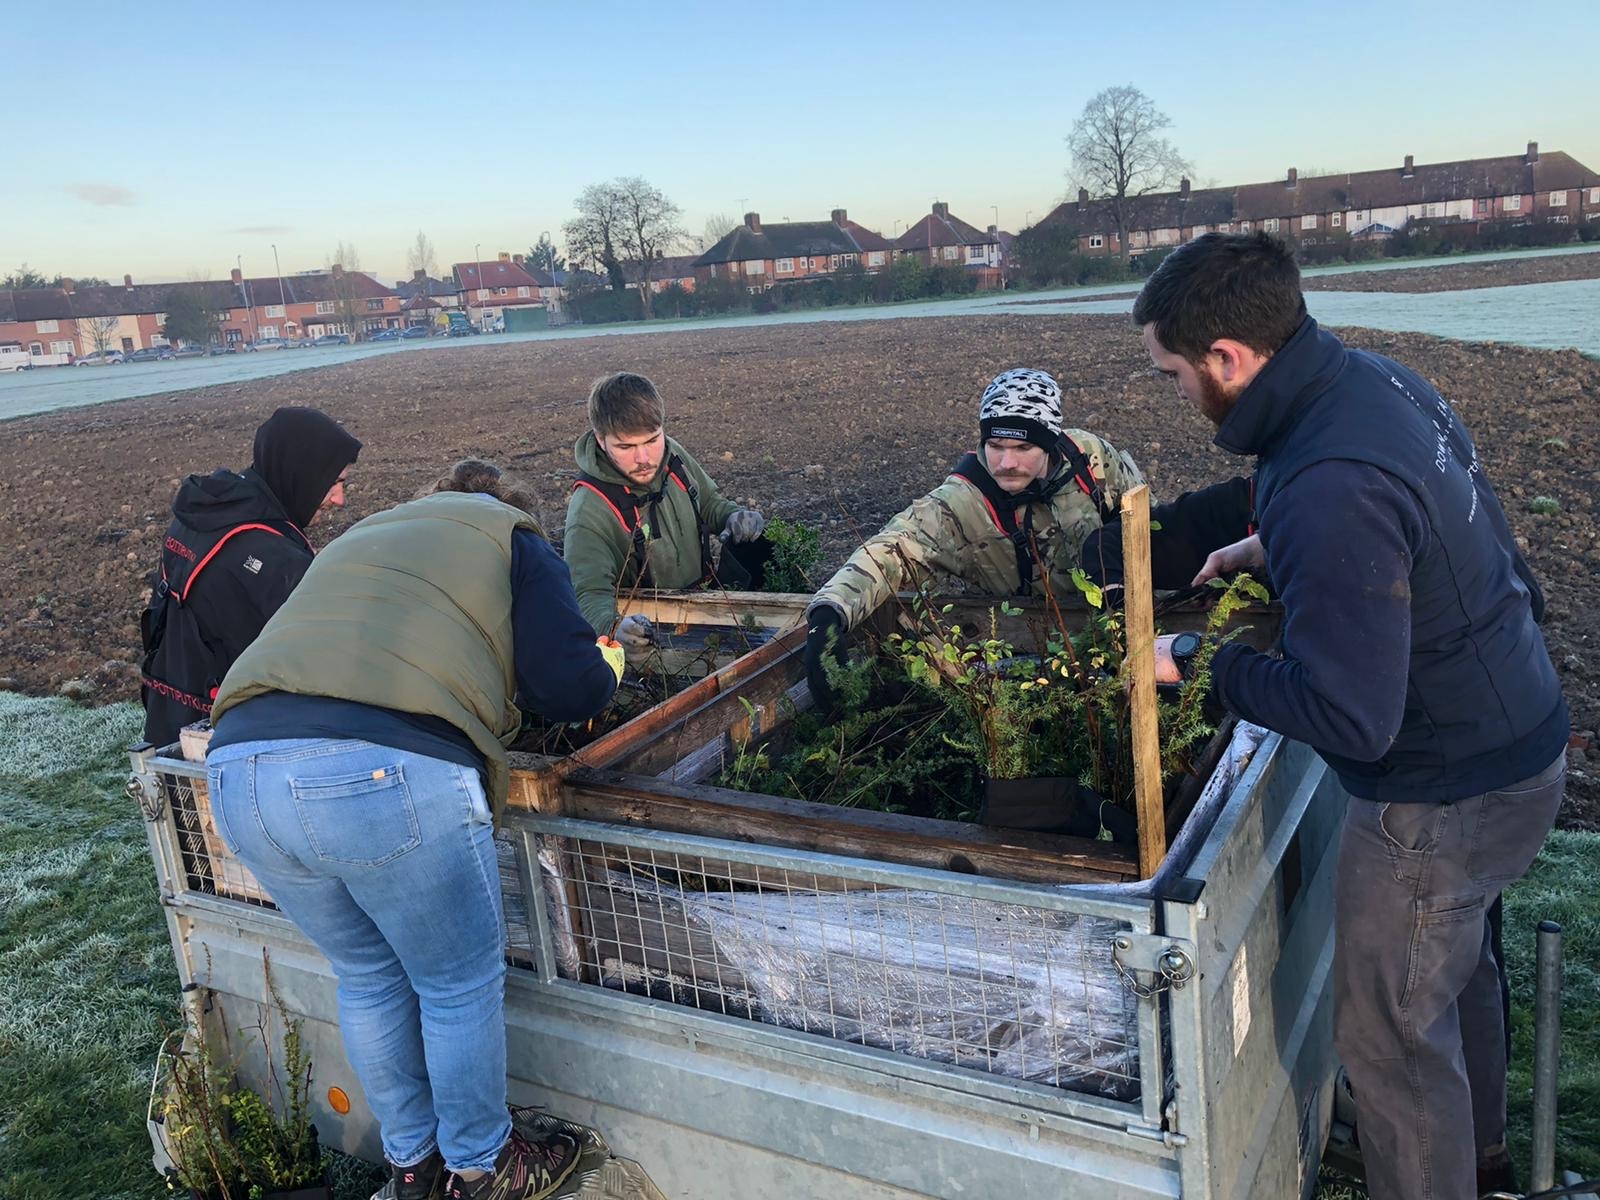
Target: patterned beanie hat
[(1024, 404)]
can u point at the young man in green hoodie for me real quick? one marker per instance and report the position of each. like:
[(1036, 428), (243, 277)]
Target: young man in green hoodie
[(644, 514)]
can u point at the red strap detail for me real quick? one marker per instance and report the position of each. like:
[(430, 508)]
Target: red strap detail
[(993, 515), (673, 475), (200, 566), (615, 511)]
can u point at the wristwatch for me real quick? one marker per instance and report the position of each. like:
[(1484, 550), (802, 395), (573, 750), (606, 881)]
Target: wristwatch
[(1183, 649)]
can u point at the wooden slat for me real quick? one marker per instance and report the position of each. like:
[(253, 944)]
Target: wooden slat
[(1139, 609), (770, 610), (617, 798)]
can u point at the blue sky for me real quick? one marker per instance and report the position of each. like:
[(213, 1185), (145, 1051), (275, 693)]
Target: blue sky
[(175, 136)]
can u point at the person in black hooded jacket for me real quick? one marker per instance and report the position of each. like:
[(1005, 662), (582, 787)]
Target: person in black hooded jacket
[(235, 550)]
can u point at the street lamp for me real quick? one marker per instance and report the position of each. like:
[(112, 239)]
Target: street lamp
[(477, 255), (282, 303), (244, 287)]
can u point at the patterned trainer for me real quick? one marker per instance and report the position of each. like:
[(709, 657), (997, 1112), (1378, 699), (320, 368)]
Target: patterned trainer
[(420, 1181), (525, 1170)]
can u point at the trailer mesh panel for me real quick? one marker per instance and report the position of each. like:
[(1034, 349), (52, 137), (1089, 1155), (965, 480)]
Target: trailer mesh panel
[(1001, 988)]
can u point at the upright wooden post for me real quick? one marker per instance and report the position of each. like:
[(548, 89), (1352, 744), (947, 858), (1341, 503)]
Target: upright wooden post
[(1138, 596)]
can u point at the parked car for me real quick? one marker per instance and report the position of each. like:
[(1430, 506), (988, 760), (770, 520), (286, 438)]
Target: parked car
[(189, 352), (302, 343), (218, 348), (151, 354), (270, 343), (384, 335), (332, 339), (102, 358), (416, 331)]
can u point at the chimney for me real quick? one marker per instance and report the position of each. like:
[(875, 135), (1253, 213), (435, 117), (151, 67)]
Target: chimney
[(941, 210), (660, 254), (1533, 152), (1409, 169), (337, 272), (66, 286), (839, 217), (236, 277), (1083, 199), (1183, 188), (994, 233), (504, 256), (518, 259), (419, 276), (127, 282), (1293, 180), (752, 222)]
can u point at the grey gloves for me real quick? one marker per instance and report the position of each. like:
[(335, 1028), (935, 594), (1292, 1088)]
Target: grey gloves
[(744, 525), (637, 635)]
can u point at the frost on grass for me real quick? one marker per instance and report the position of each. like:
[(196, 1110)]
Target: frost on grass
[(43, 737)]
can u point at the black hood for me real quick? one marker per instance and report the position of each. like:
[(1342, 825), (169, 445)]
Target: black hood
[(299, 453), (1292, 379), (224, 499)]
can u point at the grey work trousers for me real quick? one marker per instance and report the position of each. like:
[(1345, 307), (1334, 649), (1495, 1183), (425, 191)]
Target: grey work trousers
[(1417, 1016)]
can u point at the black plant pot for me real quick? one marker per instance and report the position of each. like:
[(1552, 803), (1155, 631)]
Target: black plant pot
[(321, 1190), (1053, 804)]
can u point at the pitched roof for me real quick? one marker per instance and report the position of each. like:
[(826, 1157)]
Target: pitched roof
[(497, 274), (407, 288), (667, 266), (939, 228), (792, 239)]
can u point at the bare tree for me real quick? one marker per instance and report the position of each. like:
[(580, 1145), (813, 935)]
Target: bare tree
[(343, 264), (98, 332), (421, 256), (627, 219), (1118, 152), (717, 227)]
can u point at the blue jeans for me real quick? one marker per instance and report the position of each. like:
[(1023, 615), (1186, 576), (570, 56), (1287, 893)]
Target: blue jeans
[(386, 860)]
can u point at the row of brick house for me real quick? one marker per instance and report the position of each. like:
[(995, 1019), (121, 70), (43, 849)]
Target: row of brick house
[(760, 256), (1528, 188)]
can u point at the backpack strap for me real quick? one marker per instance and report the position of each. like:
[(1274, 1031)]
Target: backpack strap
[(221, 542), (1078, 461), (1002, 508), (679, 476)]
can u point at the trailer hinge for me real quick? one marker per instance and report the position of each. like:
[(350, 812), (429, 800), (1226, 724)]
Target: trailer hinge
[(1173, 1141), (1149, 965)]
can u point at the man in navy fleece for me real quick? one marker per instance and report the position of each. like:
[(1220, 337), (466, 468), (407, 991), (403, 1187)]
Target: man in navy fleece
[(1410, 660)]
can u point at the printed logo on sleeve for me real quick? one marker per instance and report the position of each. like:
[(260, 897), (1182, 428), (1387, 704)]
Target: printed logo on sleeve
[(253, 565)]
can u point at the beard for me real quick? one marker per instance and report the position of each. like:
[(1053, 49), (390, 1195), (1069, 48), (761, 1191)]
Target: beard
[(1216, 401)]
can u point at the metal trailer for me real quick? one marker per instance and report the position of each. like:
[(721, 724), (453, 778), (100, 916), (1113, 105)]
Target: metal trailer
[(1223, 1088)]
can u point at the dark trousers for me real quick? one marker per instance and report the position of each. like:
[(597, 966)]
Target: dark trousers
[(1417, 1001)]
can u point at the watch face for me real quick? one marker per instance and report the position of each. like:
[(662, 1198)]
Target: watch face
[(1185, 645)]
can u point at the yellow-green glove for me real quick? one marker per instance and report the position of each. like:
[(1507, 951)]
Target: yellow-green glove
[(611, 650)]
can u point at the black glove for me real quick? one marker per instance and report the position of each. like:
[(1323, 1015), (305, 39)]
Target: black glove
[(826, 623)]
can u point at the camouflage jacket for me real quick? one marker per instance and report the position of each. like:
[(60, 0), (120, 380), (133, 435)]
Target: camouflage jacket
[(952, 543)]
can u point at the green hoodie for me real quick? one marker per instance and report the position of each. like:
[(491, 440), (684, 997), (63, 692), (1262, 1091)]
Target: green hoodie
[(599, 549)]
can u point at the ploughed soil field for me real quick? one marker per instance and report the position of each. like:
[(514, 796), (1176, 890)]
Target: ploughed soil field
[(835, 424)]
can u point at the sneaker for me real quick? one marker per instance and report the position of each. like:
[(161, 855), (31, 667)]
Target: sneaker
[(525, 1170), (421, 1181)]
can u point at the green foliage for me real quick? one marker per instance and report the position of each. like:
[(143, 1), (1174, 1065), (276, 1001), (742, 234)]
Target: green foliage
[(276, 1140), (191, 319), (795, 554), (1544, 506), (197, 1119), (908, 278)]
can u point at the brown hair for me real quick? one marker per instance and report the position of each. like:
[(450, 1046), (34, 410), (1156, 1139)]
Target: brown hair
[(476, 475), (624, 403)]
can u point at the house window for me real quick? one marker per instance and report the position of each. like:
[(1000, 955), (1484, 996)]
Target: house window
[(500, 291), (754, 266), (875, 259), (324, 306), (1336, 220), (1244, 226), (850, 260), (38, 348), (1096, 241), (833, 262), (1513, 203), (1558, 199), (376, 305), (1309, 221), (977, 253), (59, 347), (522, 291), (274, 310), (1270, 224), (950, 252), (483, 293), (269, 331), (1138, 238), (1594, 195), (785, 266), (47, 326)]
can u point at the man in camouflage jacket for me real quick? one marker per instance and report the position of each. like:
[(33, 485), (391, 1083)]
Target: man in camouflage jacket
[(1024, 503)]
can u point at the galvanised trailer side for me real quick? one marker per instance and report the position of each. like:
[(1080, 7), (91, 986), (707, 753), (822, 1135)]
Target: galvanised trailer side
[(1225, 1091)]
